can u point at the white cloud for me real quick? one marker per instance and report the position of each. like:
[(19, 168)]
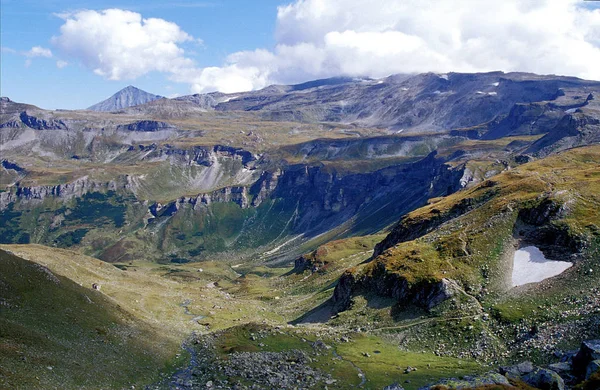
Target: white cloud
[(61, 64), (324, 38), (8, 50), (318, 38), (119, 44), (38, 51)]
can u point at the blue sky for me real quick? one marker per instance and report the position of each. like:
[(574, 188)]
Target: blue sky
[(224, 26), (72, 54)]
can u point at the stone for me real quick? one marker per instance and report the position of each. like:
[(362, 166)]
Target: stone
[(393, 386), (560, 367), (589, 351), (592, 368), (517, 371), (490, 378), (544, 379)]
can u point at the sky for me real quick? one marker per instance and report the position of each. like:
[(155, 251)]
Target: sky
[(72, 54)]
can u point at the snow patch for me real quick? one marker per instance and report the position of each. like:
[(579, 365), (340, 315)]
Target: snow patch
[(531, 266), (228, 99), (443, 76), (495, 84), (486, 93)]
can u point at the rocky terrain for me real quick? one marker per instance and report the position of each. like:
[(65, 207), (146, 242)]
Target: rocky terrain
[(379, 217)]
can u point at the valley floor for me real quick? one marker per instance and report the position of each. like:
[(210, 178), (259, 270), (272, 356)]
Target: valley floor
[(238, 327)]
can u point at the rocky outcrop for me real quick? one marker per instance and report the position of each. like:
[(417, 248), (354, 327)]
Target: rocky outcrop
[(70, 190), (576, 129), (11, 166), (264, 186), (309, 262), (526, 119), (383, 282), (146, 126), (42, 124), (11, 124), (205, 101), (237, 195)]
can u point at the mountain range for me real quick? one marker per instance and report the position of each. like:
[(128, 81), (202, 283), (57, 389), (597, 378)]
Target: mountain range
[(367, 230)]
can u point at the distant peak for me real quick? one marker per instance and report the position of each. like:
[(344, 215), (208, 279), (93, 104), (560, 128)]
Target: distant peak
[(126, 97)]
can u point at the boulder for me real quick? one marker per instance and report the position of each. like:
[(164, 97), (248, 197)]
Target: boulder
[(544, 379), (517, 371), (589, 351), (562, 367), (393, 386), (468, 382), (592, 368)]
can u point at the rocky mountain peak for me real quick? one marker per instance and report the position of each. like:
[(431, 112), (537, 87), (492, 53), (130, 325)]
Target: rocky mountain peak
[(127, 97)]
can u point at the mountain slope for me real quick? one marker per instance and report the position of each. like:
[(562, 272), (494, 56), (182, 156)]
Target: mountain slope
[(127, 97), (466, 241), (54, 333)]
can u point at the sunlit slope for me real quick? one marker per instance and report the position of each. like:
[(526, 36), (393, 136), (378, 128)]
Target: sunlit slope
[(469, 237), (55, 333)]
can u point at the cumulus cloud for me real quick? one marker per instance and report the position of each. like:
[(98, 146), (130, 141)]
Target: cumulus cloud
[(38, 51), (318, 38), (119, 44), (324, 38), (61, 64)]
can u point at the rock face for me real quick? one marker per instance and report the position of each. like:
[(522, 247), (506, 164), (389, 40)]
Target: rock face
[(71, 190), (146, 126), (42, 124), (127, 97), (426, 294), (573, 130)]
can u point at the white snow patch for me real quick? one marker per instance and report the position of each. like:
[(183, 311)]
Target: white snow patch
[(404, 89), (492, 93), (228, 99), (531, 266), (443, 76), (571, 110), (495, 84)]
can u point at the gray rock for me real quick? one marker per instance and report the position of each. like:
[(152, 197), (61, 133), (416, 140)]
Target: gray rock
[(490, 378), (592, 368), (544, 379), (393, 386), (561, 367), (517, 371), (589, 351)]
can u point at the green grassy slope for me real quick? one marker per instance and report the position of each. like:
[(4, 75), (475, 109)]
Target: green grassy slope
[(55, 333)]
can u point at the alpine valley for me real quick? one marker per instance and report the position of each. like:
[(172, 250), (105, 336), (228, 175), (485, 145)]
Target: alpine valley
[(429, 231)]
